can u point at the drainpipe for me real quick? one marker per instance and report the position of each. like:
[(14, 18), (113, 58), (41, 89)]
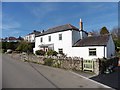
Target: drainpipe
[(104, 51)]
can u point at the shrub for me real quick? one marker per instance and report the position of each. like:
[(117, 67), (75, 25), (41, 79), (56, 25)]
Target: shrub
[(52, 53), (48, 61), (4, 50), (56, 63), (40, 52)]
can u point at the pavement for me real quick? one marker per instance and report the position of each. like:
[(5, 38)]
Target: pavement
[(18, 74)]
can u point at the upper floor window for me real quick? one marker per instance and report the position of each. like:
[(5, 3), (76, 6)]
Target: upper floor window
[(92, 51), (60, 36), (41, 39), (49, 38)]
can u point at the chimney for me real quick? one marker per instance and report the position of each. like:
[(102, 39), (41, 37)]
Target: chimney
[(81, 24), (42, 31), (34, 30)]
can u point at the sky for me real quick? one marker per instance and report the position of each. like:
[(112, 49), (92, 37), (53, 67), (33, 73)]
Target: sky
[(21, 18)]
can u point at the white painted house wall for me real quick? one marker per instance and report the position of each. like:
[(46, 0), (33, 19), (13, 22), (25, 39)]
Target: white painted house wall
[(65, 43), (30, 38), (75, 36), (110, 47), (82, 34), (69, 37), (83, 52)]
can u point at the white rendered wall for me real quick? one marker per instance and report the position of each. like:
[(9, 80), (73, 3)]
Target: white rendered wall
[(30, 38), (83, 52), (75, 36), (65, 43), (110, 47), (82, 35)]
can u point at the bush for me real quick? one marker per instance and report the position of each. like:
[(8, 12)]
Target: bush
[(56, 63), (52, 53), (4, 50), (105, 63), (40, 52), (48, 61)]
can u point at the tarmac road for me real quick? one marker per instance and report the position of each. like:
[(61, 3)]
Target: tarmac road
[(19, 74)]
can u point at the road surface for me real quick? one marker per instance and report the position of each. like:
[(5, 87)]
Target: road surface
[(19, 74)]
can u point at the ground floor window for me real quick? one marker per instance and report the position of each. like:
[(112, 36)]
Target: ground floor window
[(60, 50), (92, 51)]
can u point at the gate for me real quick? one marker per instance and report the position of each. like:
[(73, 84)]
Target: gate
[(88, 65)]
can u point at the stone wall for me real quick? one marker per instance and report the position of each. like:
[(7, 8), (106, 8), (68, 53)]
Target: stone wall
[(69, 63)]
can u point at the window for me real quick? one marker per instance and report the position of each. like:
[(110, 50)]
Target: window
[(60, 50), (49, 38), (60, 36), (92, 51), (41, 39)]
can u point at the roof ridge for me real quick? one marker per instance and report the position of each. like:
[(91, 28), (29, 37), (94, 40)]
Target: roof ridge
[(69, 25)]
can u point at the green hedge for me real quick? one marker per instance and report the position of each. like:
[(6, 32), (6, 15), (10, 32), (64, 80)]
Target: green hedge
[(40, 52), (48, 61), (105, 63), (52, 53)]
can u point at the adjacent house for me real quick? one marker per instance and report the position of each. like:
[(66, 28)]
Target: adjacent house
[(11, 39), (31, 36), (75, 42)]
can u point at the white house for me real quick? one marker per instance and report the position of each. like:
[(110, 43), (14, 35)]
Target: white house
[(31, 36), (75, 42)]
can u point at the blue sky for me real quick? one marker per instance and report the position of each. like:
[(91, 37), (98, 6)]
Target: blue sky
[(21, 18)]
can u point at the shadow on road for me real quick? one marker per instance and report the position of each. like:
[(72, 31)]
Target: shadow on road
[(112, 79)]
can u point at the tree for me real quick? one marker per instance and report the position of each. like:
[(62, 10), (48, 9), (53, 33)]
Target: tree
[(104, 31), (114, 33), (95, 32), (24, 47)]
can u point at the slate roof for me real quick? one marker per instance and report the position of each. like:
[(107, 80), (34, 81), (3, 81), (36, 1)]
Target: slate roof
[(59, 29), (34, 32), (93, 41)]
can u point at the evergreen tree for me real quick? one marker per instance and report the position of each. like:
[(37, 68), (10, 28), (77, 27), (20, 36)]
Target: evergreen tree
[(104, 31)]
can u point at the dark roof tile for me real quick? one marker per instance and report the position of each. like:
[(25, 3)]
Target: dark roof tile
[(59, 29), (93, 41)]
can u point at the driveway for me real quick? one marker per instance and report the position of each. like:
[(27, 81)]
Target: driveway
[(112, 79)]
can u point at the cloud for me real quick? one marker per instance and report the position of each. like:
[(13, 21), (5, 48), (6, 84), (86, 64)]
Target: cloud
[(9, 26), (42, 9)]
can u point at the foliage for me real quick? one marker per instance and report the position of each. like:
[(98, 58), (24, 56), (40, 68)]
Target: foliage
[(52, 53), (105, 63), (56, 63), (9, 45), (24, 47), (117, 45), (104, 31), (40, 52), (48, 61)]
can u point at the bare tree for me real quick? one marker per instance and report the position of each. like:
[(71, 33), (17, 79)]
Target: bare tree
[(95, 32), (115, 33)]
